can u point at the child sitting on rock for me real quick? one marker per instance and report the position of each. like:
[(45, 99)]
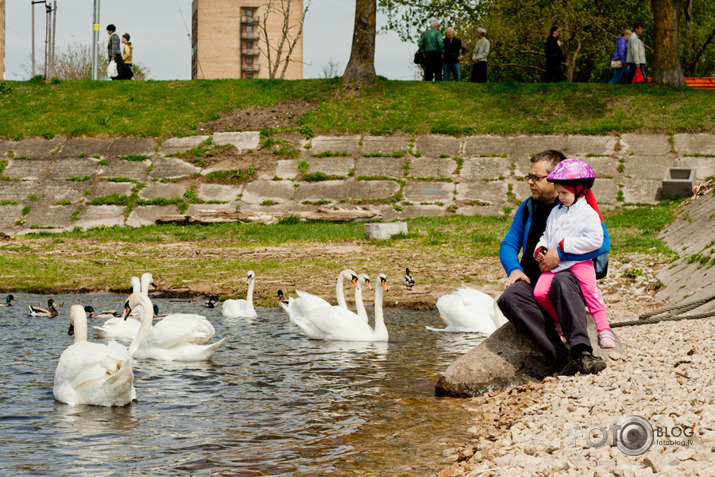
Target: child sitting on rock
[(575, 228)]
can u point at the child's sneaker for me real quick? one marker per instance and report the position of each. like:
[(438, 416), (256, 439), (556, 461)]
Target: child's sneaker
[(557, 325), (606, 339)]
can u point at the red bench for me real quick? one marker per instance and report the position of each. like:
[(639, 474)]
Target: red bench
[(701, 83)]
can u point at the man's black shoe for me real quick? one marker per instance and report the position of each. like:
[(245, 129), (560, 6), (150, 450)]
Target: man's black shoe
[(569, 368), (587, 363)]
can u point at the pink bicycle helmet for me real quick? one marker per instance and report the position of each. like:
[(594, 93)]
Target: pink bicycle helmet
[(573, 172)]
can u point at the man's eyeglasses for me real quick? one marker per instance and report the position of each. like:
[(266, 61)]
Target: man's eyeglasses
[(534, 177)]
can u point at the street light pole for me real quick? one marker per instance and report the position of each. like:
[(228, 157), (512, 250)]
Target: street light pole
[(95, 39)]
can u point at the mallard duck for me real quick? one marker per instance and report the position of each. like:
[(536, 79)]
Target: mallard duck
[(8, 301), (282, 298), (212, 301), (50, 312), (408, 281), (102, 314)]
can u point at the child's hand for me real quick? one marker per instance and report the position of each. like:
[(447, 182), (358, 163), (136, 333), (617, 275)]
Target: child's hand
[(540, 254)]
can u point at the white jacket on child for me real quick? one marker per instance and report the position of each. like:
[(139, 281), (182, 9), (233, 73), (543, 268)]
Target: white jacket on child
[(579, 226)]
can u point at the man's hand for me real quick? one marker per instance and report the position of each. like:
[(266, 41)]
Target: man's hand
[(515, 276), (550, 260)]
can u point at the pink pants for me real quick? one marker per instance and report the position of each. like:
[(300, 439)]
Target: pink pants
[(586, 276)]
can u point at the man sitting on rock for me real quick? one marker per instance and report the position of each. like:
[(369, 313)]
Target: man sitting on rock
[(518, 303)]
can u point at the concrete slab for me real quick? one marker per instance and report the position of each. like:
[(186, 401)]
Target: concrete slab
[(647, 167), (122, 168), (488, 145), (8, 214), (337, 166), (93, 215), (435, 146), (242, 141), (419, 191), (169, 190), (103, 188), (414, 211), (224, 193), (492, 192), (432, 167), (171, 168), (208, 209), (285, 169), (482, 210), (147, 215), (333, 190), (17, 190), (53, 191), (694, 144), (581, 145), (645, 144), (69, 167), (605, 167), (605, 191), (36, 148), (31, 170), (384, 144), (362, 190), (527, 146), (388, 212), (380, 167), (256, 192), (5, 146), (704, 166), (520, 189), (641, 191), (125, 146), (180, 144), (74, 147), (479, 168), (319, 144), (51, 215)]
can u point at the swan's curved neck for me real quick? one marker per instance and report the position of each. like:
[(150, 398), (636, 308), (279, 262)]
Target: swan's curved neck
[(145, 282), (147, 314), (80, 327), (249, 295), (380, 328), (359, 305), (136, 285), (339, 291)]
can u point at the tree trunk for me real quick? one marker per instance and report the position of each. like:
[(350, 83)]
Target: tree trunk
[(666, 64), (361, 66)]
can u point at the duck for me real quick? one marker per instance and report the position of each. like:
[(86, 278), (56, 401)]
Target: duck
[(469, 310), (178, 337), (49, 312), (242, 308), (282, 298), (102, 314), (336, 323), (93, 373), (212, 301), (8, 301), (407, 280)]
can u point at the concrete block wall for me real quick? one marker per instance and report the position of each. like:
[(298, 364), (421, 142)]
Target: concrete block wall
[(50, 183)]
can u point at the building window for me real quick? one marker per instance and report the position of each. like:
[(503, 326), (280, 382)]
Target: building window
[(248, 12), (249, 45), (249, 28)]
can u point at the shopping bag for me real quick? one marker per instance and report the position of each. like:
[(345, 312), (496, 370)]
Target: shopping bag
[(112, 69), (638, 77)]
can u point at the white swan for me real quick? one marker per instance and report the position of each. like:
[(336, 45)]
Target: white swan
[(359, 305), (469, 310), (119, 328), (335, 323), (242, 308), (93, 373), (178, 337)]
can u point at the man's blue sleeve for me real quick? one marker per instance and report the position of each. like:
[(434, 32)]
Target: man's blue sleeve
[(605, 247), (510, 246)]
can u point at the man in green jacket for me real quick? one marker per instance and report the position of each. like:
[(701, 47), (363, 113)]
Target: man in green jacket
[(431, 46)]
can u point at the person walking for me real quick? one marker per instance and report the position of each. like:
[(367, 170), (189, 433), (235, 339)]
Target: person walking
[(518, 302), (431, 46), (554, 57), (619, 63), (453, 51), (636, 53), (479, 58), (114, 50), (127, 56)]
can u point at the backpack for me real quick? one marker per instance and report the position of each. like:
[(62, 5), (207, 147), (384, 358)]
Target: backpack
[(600, 263)]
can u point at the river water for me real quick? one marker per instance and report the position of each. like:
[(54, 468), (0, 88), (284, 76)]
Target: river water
[(271, 402)]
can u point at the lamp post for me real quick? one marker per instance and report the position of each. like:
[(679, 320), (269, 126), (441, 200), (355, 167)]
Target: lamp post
[(95, 39)]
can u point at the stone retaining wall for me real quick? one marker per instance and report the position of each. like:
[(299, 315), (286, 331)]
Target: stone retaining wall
[(50, 183)]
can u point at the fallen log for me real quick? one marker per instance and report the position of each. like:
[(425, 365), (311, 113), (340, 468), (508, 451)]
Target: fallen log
[(330, 214)]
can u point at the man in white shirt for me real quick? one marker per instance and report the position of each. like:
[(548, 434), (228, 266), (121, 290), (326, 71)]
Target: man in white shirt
[(636, 53)]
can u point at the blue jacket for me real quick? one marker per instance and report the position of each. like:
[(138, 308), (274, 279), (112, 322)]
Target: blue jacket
[(621, 49), (515, 240)]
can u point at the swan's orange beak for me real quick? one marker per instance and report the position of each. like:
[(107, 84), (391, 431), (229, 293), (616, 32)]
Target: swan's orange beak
[(369, 285), (384, 285), (71, 330), (127, 310), (355, 281)]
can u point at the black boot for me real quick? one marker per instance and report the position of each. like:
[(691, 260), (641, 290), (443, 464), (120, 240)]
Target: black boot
[(587, 363)]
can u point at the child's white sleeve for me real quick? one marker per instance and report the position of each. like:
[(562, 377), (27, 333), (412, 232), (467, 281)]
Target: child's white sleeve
[(590, 236)]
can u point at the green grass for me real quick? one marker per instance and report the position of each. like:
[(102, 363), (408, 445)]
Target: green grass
[(230, 176), (78, 178), (62, 202), (171, 108), (134, 157)]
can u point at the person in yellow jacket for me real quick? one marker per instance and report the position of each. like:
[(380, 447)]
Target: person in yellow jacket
[(127, 55)]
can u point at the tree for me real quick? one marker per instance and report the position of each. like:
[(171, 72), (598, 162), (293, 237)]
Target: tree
[(278, 51), (361, 66), (666, 63), (697, 39)]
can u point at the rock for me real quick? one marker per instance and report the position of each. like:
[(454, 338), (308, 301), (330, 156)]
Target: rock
[(385, 231)]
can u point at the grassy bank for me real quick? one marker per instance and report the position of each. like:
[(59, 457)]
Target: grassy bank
[(443, 252), (153, 108)]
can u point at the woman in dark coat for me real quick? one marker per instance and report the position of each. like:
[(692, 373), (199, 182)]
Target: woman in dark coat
[(554, 57)]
